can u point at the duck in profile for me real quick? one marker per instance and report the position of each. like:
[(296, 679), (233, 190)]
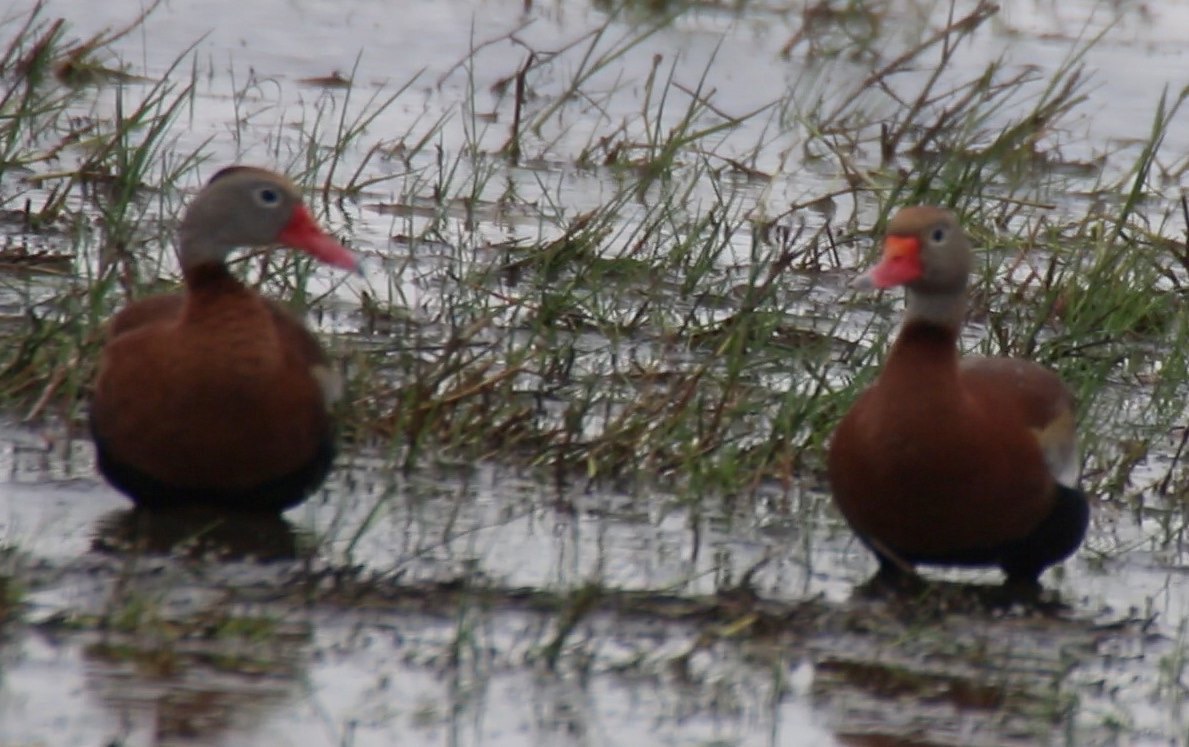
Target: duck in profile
[(955, 461), (217, 396)]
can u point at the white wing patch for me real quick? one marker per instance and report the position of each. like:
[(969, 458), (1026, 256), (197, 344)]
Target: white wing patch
[(329, 381), (1058, 442)]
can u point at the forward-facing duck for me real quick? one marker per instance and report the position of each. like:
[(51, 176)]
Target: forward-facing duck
[(955, 461)]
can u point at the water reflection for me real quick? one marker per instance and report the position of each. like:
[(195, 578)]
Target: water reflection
[(181, 674), (197, 533), (197, 689)]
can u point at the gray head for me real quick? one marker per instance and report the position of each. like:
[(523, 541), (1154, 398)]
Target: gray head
[(927, 252), (243, 206)]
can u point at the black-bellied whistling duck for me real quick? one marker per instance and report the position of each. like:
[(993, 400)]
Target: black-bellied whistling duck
[(949, 461), (216, 395)]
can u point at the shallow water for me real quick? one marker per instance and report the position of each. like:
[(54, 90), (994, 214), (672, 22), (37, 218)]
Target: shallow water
[(471, 671)]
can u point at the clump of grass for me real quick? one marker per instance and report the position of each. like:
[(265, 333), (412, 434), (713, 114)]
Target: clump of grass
[(29, 105), (495, 393)]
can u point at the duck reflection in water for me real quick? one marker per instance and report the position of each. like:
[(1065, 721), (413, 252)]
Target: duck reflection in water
[(198, 532)]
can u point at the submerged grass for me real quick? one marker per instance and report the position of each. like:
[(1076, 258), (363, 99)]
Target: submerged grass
[(686, 326)]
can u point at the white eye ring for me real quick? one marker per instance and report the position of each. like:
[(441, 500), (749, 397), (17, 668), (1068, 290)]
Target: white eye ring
[(937, 235), (268, 197)]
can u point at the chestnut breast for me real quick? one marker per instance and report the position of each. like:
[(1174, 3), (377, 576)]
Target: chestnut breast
[(931, 460), (214, 389)]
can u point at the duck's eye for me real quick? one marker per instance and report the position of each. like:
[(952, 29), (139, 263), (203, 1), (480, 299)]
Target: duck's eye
[(938, 235), (267, 197)]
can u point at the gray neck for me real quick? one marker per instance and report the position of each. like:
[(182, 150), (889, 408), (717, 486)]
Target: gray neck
[(197, 247), (943, 309)]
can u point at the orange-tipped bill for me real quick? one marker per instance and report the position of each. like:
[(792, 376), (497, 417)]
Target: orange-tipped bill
[(302, 232), (901, 264)]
